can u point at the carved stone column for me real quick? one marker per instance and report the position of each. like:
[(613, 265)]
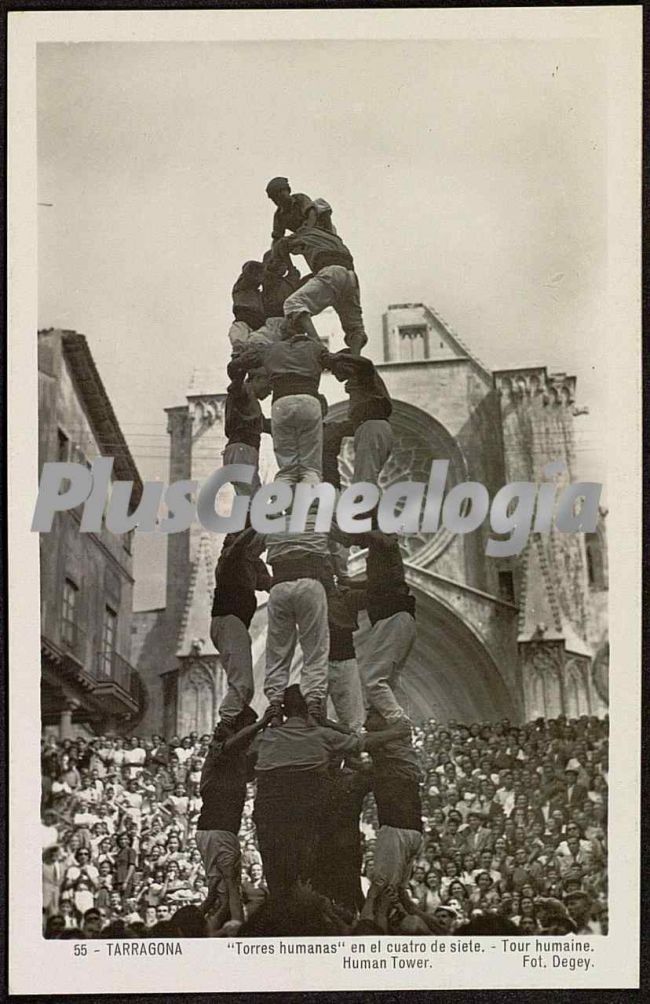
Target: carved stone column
[(542, 669), (577, 686), (198, 692)]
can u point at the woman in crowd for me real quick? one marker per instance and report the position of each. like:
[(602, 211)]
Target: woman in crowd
[(125, 864), (484, 896), (178, 806), (457, 892), (526, 912), (430, 899)]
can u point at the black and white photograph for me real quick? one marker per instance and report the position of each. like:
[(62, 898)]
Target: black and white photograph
[(332, 363)]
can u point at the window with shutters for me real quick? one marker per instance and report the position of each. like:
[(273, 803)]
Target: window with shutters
[(69, 611), (108, 641)]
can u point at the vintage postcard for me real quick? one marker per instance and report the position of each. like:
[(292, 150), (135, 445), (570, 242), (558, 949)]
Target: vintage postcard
[(324, 499)]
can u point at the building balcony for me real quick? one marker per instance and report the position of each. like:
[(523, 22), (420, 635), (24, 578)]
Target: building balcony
[(118, 686), (104, 684), (71, 655)]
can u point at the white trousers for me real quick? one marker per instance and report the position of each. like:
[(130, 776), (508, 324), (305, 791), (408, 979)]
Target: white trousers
[(344, 684), (297, 611), (297, 427), (373, 442), (333, 286), (387, 648), (395, 851), (232, 641)]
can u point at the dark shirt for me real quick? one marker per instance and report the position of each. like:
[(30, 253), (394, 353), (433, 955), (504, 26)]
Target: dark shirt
[(292, 217), (237, 577), (276, 288), (333, 435), (342, 609), (341, 644), (244, 421), (338, 867), (398, 802), (223, 788), (386, 592), (247, 302), (125, 858), (159, 755), (396, 785)]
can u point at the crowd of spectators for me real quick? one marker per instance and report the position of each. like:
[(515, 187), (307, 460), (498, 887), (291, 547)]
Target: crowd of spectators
[(515, 839)]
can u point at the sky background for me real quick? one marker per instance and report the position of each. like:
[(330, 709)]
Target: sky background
[(469, 175)]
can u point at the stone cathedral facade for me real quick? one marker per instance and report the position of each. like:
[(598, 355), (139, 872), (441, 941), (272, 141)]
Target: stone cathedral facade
[(518, 637)]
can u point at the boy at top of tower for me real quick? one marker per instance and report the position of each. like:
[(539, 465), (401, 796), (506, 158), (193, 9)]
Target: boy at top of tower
[(295, 211)]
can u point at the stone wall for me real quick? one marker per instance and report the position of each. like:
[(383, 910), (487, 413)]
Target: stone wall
[(556, 619), (100, 565)]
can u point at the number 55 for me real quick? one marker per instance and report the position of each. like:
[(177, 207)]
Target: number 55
[(80, 949)]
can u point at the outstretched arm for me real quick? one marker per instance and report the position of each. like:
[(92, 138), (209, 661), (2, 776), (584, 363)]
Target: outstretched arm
[(246, 734), (245, 361), (345, 365)]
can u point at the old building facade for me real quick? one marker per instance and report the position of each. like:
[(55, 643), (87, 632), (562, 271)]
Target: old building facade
[(88, 683), (521, 637)]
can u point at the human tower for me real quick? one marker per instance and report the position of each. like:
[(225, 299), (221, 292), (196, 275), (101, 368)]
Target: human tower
[(297, 753)]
